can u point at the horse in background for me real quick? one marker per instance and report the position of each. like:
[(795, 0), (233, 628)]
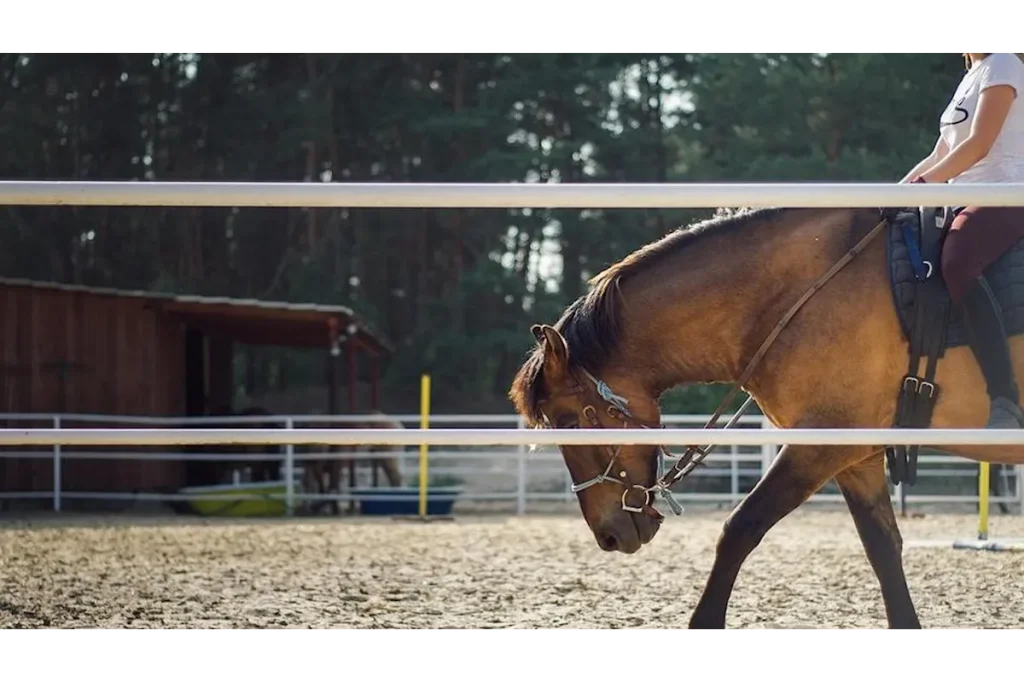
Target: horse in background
[(260, 470), (322, 476)]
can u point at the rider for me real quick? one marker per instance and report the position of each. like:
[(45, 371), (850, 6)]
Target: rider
[(981, 140)]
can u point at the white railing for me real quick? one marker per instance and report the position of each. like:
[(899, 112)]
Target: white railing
[(503, 474), (507, 195), (493, 195), (503, 437)]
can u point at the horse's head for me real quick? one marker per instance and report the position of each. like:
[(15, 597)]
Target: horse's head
[(610, 481)]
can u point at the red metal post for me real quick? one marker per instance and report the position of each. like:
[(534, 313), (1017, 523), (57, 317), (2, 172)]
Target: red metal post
[(350, 351), (332, 366)]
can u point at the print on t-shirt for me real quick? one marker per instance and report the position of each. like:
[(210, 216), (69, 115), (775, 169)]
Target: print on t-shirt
[(959, 113)]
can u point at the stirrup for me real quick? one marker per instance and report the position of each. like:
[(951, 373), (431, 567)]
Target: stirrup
[(1005, 414)]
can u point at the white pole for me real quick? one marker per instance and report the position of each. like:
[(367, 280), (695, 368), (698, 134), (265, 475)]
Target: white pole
[(289, 472), (1020, 486), (508, 195), (56, 468), (521, 474), (734, 474), (509, 437), (767, 449)]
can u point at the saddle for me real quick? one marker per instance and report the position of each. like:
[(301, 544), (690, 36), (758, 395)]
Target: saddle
[(919, 234)]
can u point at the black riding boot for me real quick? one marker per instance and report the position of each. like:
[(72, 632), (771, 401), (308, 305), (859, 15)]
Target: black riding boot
[(983, 319)]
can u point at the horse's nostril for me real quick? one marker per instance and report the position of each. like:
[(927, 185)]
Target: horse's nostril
[(607, 542)]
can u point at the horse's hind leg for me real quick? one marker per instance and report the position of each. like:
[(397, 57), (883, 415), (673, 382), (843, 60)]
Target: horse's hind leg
[(390, 467), (334, 483), (315, 475), (796, 474), (867, 495)]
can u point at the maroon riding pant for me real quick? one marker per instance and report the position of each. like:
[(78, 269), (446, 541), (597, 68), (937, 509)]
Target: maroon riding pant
[(978, 237)]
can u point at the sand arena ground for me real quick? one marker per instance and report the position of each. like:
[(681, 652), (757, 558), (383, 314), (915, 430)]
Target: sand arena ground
[(482, 571)]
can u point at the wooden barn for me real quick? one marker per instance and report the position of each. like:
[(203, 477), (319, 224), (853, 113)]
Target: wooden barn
[(80, 350)]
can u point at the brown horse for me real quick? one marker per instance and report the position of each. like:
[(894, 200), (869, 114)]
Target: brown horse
[(324, 475), (698, 306)]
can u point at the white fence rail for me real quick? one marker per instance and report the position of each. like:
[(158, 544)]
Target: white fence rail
[(507, 195), (508, 473), (480, 195), (505, 437)]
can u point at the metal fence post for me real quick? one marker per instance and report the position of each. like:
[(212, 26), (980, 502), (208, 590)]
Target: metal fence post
[(1020, 487), (521, 474), (56, 469), (289, 472), (767, 450), (734, 474)]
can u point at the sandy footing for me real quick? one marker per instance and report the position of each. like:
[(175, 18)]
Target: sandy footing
[(480, 572)]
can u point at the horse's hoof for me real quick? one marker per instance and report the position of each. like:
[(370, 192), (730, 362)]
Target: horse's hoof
[(699, 622)]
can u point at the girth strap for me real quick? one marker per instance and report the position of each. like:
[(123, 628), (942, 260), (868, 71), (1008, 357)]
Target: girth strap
[(918, 393)]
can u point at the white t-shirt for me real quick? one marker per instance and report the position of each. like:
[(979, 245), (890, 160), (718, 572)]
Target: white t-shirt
[(1005, 161)]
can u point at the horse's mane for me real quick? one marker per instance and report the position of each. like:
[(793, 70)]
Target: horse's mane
[(591, 324)]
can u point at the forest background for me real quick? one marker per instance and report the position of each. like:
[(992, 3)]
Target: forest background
[(454, 291)]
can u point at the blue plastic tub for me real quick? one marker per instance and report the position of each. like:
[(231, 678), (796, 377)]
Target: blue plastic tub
[(405, 500)]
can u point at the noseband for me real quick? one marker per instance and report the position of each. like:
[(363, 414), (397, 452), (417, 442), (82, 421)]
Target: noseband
[(694, 455)]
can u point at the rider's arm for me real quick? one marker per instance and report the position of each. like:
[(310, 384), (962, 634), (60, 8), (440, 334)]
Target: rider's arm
[(938, 154), (993, 106)]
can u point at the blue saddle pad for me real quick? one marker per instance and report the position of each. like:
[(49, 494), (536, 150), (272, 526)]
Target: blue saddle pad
[(1005, 276)]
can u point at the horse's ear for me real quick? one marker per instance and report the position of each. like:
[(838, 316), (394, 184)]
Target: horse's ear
[(556, 353)]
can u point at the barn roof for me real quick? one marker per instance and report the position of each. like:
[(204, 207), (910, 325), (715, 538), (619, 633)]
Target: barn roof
[(249, 321)]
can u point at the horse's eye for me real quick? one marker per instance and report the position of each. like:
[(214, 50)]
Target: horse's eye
[(568, 422)]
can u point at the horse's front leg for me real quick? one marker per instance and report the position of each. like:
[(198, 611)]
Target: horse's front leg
[(867, 495), (796, 474)]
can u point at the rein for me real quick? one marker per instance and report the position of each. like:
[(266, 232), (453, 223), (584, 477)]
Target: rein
[(693, 456)]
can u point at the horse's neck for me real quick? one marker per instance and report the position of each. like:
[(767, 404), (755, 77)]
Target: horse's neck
[(700, 316)]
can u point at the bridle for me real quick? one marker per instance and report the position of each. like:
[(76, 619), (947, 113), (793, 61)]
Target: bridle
[(616, 408), (689, 461)]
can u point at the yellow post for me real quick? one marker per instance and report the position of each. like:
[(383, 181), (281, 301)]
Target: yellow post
[(983, 501), (424, 424)]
